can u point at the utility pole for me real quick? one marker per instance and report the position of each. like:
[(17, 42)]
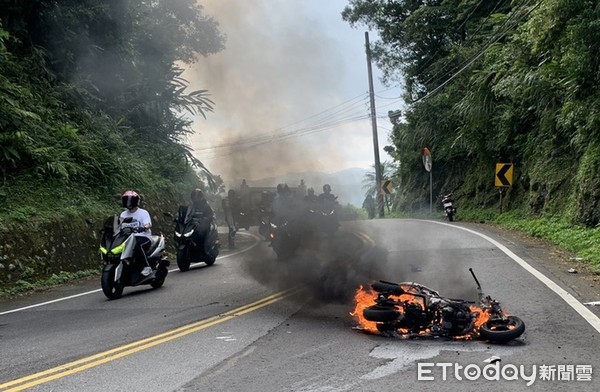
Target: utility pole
[(374, 127)]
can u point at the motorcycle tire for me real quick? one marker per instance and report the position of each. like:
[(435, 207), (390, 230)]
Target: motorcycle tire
[(110, 288), (502, 332), (385, 327), (391, 288), (183, 260), (158, 282), (210, 259), (450, 217), (279, 249), (380, 314)]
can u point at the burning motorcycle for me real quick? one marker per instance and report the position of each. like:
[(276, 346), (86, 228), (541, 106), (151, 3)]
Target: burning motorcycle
[(121, 268), (411, 309), (197, 239), (448, 204)]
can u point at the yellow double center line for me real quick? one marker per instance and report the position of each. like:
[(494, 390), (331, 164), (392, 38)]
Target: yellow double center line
[(131, 348)]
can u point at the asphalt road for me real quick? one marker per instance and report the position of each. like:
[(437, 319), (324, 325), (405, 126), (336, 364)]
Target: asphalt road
[(251, 323)]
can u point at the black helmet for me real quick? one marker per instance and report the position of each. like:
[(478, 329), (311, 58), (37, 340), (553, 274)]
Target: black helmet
[(326, 188), (231, 193), (130, 199), (197, 196)]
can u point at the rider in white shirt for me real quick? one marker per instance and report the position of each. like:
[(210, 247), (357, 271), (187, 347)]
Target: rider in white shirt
[(140, 223)]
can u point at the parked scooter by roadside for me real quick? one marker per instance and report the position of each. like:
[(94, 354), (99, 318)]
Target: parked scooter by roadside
[(448, 204)]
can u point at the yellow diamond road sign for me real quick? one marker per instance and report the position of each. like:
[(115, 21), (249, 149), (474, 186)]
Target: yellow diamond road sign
[(504, 174), (386, 187)]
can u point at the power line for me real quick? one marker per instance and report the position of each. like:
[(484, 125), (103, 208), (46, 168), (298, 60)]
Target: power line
[(325, 119), (222, 150), (481, 52), (447, 64), (339, 114)]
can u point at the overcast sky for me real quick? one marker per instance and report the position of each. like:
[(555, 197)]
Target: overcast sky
[(290, 91)]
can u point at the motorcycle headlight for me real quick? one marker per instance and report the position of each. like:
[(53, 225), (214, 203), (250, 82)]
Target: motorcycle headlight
[(177, 234), (103, 250), (189, 233), (118, 249), (273, 225)]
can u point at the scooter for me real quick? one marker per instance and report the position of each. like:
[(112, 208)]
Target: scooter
[(324, 219), (449, 209), (283, 240), (121, 268), (195, 241)]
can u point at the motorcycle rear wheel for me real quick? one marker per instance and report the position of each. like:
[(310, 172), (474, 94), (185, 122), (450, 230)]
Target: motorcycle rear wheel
[(110, 288), (210, 260), (380, 314), (183, 260), (502, 331)]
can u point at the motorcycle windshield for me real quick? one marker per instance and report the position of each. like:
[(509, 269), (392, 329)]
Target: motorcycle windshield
[(110, 229)]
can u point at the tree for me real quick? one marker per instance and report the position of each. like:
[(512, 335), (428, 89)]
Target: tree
[(102, 75), (495, 82)]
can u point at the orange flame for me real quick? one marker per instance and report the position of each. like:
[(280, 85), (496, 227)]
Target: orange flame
[(366, 297), (481, 316), (363, 299)]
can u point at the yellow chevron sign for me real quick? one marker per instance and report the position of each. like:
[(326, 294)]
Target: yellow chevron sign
[(504, 175), (386, 187)]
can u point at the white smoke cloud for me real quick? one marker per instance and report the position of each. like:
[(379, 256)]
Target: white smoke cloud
[(284, 62)]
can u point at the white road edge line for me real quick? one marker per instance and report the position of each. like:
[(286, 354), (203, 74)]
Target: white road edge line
[(95, 291), (587, 314)]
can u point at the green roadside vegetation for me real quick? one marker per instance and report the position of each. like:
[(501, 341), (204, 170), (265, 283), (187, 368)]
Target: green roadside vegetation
[(581, 240), (496, 82), (25, 285), (93, 101)]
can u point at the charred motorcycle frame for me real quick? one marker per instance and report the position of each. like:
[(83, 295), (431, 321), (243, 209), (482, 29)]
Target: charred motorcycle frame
[(411, 309)]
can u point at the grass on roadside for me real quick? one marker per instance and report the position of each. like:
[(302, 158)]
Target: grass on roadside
[(583, 241), (22, 286)]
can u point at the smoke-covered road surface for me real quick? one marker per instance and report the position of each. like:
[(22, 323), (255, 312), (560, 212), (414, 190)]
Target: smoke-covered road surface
[(268, 337)]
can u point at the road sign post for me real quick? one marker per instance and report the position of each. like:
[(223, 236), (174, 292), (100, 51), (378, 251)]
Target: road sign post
[(503, 178)]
